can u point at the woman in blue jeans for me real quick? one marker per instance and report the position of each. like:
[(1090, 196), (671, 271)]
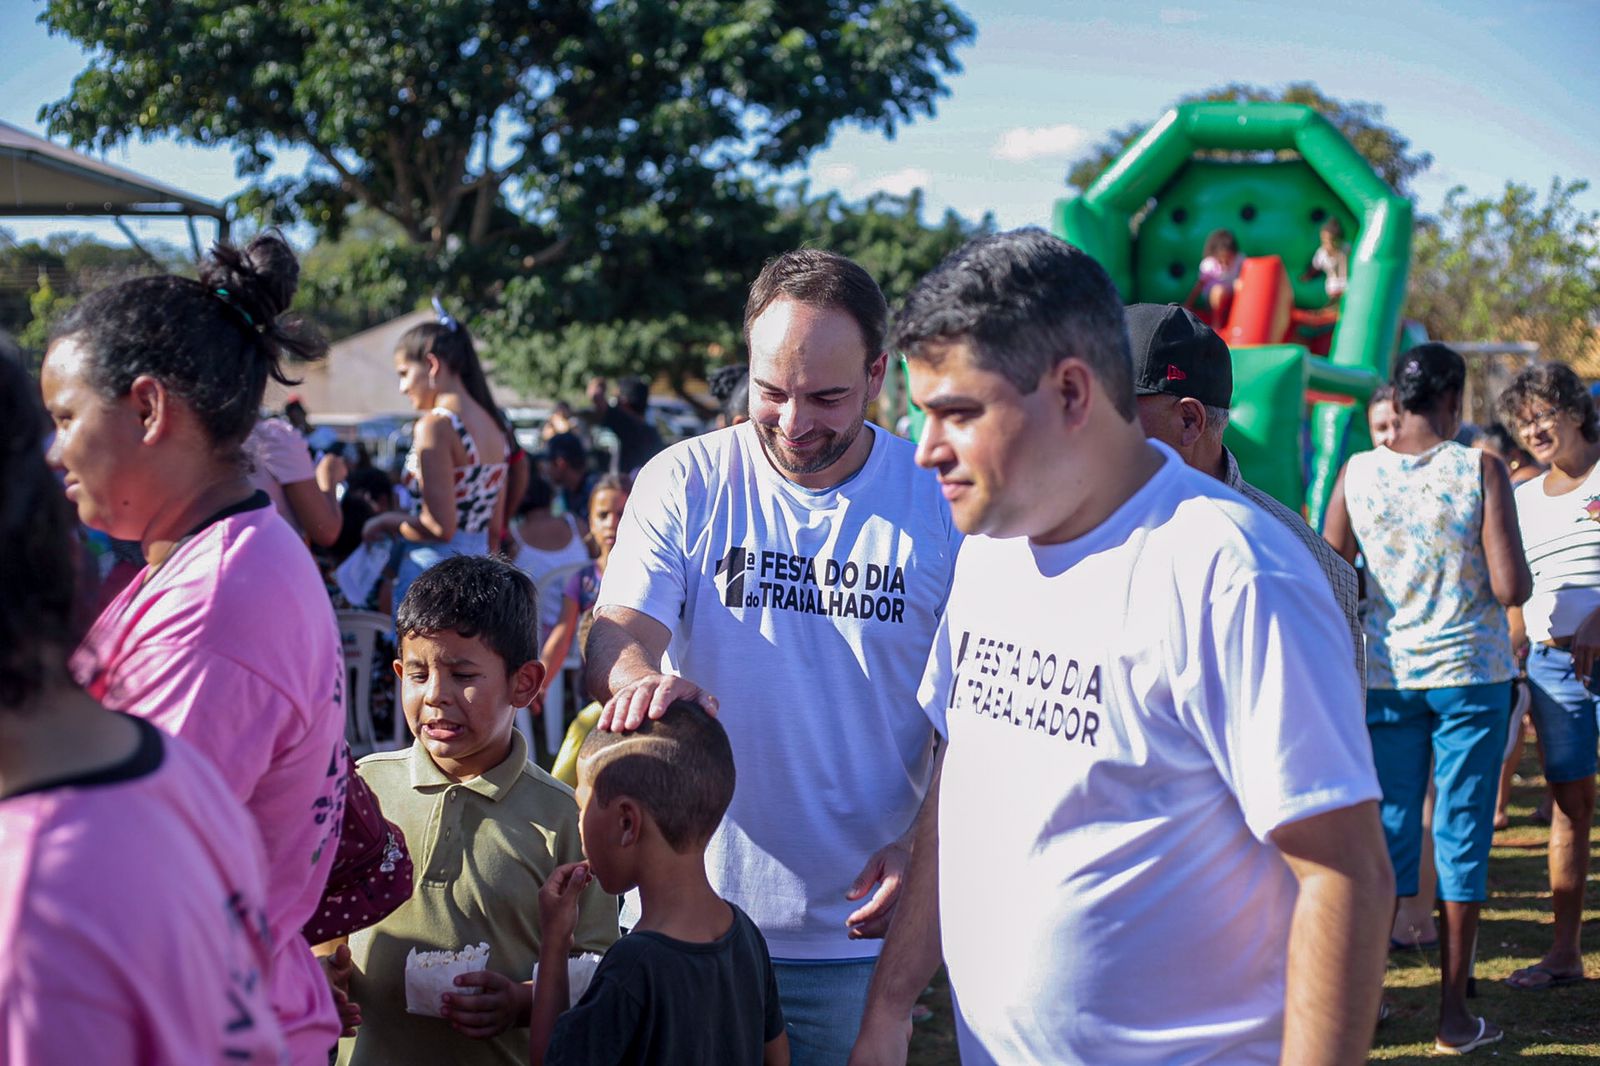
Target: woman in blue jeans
[(1436, 525), (1551, 412)]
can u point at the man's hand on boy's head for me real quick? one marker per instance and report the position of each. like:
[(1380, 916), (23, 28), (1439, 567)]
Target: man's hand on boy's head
[(558, 904), (498, 1004), (649, 697)]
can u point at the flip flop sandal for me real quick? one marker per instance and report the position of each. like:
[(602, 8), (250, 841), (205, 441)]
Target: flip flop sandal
[(1555, 979), (1483, 1037)]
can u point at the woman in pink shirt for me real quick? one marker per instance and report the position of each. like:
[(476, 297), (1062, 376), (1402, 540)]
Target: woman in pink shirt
[(126, 861), (226, 638)]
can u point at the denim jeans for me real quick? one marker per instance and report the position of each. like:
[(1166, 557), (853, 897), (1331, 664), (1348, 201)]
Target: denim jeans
[(822, 1005), (1563, 712)]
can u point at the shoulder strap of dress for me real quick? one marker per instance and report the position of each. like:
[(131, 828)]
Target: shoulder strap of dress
[(461, 431)]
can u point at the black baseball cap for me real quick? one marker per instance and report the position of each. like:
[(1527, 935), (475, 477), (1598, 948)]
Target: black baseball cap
[(1176, 354)]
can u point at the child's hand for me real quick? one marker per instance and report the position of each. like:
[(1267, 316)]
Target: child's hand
[(494, 1009), (558, 904), (338, 968)]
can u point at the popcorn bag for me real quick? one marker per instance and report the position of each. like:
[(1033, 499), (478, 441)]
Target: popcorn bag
[(580, 971), (430, 974)]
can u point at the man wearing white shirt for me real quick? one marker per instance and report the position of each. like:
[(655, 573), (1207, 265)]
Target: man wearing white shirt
[(788, 573), (1155, 837)]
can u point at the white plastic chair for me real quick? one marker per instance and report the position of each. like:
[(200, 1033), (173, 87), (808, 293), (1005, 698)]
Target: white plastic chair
[(551, 586), (359, 632)]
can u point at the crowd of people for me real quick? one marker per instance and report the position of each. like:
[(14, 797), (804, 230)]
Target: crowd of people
[(1051, 697)]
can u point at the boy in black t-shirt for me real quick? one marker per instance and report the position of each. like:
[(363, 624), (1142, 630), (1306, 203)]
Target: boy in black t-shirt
[(692, 983)]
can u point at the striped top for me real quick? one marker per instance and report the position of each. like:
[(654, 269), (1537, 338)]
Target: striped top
[(1561, 535), (1433, 620)]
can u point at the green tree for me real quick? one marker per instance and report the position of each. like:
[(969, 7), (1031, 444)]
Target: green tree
[(501, 121), (587, 180), (1389, 152), (700, 272), (1510, 267)]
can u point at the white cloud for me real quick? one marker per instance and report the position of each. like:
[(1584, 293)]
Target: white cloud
[(836, 174), (1041, 142), (898, 183), (1179, 16)]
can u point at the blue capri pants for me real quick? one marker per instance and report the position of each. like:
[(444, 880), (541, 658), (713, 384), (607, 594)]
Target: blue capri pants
[(1463, 729)]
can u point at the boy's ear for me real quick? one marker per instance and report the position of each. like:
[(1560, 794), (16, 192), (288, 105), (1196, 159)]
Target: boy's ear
[(526, 683), (629, 821)]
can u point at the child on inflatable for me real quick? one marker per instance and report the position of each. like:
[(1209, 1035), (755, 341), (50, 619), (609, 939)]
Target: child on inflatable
[(1331, 262), (1219, 272)]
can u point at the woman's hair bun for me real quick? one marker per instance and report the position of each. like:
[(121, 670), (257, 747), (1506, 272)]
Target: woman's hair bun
[(1426, 375), (259, 279)]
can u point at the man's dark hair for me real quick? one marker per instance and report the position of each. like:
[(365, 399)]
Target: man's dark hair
[(1021, 302), (475, 596), (678, 767), (730, 385), (822, 279), (1549, 385), (1425, 375)]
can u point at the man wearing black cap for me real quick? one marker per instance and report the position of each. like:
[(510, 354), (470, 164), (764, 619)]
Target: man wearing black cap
[(1156, 835), (1183, 384)]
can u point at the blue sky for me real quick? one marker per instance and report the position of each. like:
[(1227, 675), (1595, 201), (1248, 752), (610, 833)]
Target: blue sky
[(1495, 91)]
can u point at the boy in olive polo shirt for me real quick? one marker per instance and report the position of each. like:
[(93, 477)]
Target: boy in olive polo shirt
[(485, 826)]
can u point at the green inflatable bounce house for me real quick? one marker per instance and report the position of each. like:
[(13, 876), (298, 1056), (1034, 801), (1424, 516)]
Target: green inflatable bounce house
[(1296, 415)]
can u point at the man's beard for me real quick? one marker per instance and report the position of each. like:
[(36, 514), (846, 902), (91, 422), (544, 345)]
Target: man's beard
[(833, 448)]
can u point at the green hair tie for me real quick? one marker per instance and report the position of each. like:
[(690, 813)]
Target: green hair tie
[(227, 298)]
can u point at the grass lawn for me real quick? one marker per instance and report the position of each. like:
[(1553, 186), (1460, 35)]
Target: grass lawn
[(1560, 1025)]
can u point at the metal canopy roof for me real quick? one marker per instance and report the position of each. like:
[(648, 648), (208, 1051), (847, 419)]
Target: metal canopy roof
[(39, 177)]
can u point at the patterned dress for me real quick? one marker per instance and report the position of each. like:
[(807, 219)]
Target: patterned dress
[(477, 485)]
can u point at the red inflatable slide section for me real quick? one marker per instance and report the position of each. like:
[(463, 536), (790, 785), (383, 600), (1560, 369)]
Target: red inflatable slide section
[(1262, 310)]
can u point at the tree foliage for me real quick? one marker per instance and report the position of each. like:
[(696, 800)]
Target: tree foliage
[(40, 280), (588, 180), (1389, 152), (501, 121), (594, 333), (1510, 267)]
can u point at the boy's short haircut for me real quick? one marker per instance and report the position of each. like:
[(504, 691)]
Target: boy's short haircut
[(678, 767), (476, 596), (1021, 301)]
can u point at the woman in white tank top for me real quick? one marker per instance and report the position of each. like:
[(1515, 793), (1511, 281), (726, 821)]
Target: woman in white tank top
[(545, 544), (1554, 417)]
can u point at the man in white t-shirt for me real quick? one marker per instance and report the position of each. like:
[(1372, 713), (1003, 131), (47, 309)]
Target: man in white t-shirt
[(789, 573), (1155, 837)]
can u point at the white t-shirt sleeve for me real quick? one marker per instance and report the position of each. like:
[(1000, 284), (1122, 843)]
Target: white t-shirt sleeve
[(1286, 731), (934, 692), (646, 570)]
